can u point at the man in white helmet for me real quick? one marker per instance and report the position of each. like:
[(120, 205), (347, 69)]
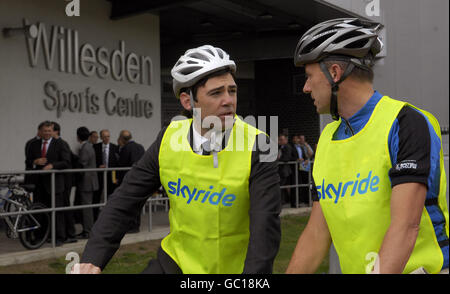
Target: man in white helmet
[(224, 200), (378, 170)]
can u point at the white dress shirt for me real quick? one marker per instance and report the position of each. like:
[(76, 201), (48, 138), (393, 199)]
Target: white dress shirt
[(198, 140)]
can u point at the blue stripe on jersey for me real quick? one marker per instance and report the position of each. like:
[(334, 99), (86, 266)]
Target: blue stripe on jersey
[(445, 251), (434, 179), (393, 141)]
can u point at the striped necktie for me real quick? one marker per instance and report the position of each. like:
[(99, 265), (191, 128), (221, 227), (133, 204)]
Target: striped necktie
[(105, 157)]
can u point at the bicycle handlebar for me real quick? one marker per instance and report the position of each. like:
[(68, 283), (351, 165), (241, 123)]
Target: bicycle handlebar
[(11, 180)]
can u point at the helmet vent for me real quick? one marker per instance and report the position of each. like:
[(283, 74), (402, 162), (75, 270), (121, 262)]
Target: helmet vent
[(199, 56), (190, 70), (311, 46), (357, 44), (209, 51), (353, 45)]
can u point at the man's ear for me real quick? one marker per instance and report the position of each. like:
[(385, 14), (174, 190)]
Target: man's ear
[(336, 72), (185, 100)]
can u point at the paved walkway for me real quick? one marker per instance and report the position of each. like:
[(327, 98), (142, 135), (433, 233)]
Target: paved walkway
[(12, 252)]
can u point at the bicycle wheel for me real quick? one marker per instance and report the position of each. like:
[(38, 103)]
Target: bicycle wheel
[(34, 228)]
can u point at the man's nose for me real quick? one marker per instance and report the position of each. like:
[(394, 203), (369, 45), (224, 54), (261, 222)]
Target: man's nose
[(306, 88), (227, 99)]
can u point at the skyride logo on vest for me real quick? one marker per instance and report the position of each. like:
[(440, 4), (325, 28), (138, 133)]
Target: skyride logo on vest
[(369, 183), (175, 188)]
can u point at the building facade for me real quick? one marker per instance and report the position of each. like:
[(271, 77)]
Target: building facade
[(85, 70)]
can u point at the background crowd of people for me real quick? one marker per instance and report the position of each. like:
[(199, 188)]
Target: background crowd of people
[(48, 150), (296, 150)]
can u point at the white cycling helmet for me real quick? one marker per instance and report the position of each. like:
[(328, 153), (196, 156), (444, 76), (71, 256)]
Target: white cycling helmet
[(197, 63)]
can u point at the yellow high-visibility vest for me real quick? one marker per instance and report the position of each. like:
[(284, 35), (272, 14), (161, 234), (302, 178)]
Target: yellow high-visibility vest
[(209, 207), (354, 190)]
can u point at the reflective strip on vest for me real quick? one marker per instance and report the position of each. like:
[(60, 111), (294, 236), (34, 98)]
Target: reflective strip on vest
[(354, 190)]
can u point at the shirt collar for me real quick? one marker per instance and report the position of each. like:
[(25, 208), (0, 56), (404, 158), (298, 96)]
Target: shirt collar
[(48, 141), (198, 140)]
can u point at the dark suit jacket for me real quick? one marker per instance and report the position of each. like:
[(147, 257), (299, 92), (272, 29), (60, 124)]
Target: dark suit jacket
[(287, 154), (57, 154), (113, 155), (27, 148), (129, 155), (30, 179), (113, 158), (68, 177), (303, 155)]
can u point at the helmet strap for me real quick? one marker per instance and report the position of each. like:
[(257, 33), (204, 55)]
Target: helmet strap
[(335, 87), (191, 101)]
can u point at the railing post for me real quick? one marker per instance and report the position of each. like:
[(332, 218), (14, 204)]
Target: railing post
[(105, 187), (310, 184), (296, 184), (150, 216), (53, 210)]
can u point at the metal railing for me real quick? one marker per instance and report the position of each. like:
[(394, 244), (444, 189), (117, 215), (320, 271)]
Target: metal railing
[(53, 209), (297, 184)]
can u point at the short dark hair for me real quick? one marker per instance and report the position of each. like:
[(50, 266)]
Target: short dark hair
[(92, 132), (361, 74), (126, 138), (45, 123), (203, 81), (83, 133), (56, 127)]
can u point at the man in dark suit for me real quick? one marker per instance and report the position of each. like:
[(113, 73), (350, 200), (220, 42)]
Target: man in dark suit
[(302, 155), (28, 144), (31, 179), (93, 137), (130, 153), (68, 179), (285, 154), (89, 181), (106, 155), (47, 154)]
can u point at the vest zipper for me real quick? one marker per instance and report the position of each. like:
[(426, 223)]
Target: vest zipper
[(348, 125)]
